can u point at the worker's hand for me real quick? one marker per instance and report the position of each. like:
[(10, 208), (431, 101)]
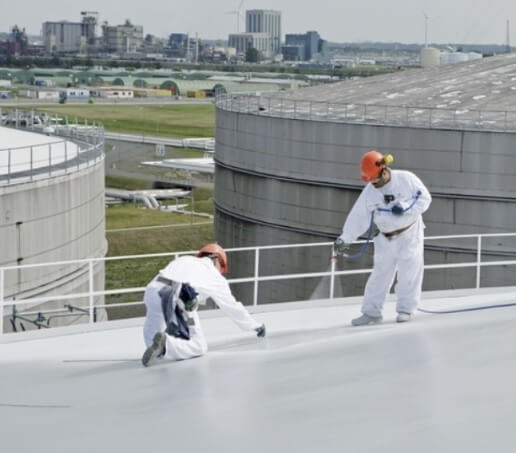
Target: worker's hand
[(340, 247), (260, 331), (397, 209)]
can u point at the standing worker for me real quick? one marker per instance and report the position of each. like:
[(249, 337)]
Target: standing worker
[(172, 329), (395, 201)]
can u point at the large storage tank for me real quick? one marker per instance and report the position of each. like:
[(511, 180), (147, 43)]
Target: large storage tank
[(430, 57), (52, 210), (287, 166)]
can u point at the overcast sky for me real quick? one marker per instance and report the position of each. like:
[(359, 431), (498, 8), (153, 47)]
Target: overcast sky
[(450, 21)]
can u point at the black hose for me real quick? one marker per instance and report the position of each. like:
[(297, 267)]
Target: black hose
[(463, 310)]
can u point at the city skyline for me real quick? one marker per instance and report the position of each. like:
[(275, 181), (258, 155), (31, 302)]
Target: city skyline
[(376, 20)]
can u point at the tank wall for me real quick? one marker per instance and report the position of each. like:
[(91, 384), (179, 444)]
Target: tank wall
[(448, 161), (56, 219), (291, 181)]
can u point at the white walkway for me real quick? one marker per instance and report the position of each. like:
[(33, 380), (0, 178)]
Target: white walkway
[(442, 383)]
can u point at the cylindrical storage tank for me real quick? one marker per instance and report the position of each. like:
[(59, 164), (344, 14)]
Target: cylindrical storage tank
[(52, 210), (287, 171), (430, 57)]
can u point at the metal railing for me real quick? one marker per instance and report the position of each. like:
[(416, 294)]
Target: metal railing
[(375, 114), (81, 145), (255, 278)]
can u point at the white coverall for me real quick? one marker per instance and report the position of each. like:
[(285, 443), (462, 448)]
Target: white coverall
[(205, 278), (402, 253)]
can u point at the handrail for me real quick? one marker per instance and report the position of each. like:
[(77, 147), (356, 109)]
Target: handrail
[(378, 114), (88, 138), (255, 278)]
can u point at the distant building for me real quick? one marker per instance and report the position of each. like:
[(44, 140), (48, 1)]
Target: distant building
[(293, 52), (178, 45), (122, 39), (244, 41), (74, 93), (16, 43), (70, 37), (310, 41), (265, 21), (112, 92)]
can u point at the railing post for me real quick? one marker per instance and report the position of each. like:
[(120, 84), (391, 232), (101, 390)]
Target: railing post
[(2, 273), (91, 289), (31, 162), (8, 166), (66, 157), (256, 275), (49, 159), (479, 259), (332, 278)]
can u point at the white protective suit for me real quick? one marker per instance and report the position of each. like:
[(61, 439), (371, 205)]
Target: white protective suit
[(402, 253), (205, 278)]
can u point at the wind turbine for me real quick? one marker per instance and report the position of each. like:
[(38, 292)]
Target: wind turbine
[(427, 18), (237, 13)]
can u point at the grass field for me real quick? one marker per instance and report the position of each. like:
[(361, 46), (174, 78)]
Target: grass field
[(179, 121)]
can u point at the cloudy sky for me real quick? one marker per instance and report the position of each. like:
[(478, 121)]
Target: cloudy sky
[(450, 21)]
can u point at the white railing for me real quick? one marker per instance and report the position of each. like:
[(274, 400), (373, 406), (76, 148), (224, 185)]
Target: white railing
[(74, 146), (378, 114), (255, 278)]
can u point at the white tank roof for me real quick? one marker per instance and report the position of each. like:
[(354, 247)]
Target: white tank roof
[(22, 151), (438, 383)]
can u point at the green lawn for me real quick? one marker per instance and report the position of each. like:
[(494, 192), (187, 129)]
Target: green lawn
[(179, 121)]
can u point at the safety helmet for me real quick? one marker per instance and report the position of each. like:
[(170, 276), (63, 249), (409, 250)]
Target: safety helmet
[(372, 164), (212, 251)]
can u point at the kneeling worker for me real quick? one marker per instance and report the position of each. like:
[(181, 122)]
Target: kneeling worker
[(394, 200), (172, 329)]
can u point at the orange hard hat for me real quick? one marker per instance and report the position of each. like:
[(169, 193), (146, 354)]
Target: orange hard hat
[(372, 164), (215, 250)]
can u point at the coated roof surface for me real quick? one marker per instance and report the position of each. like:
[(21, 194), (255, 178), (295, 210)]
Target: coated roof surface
[(439, 383)]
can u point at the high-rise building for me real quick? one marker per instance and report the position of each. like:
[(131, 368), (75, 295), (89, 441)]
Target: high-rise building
[(265, 21)]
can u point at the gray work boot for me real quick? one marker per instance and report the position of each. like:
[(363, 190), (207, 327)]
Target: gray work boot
[(365, 320), (156, 349), (403, 317)]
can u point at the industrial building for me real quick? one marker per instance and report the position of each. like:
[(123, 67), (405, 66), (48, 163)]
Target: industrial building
[(122, 39), (52, 205), (287, 163), (70, 37)]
